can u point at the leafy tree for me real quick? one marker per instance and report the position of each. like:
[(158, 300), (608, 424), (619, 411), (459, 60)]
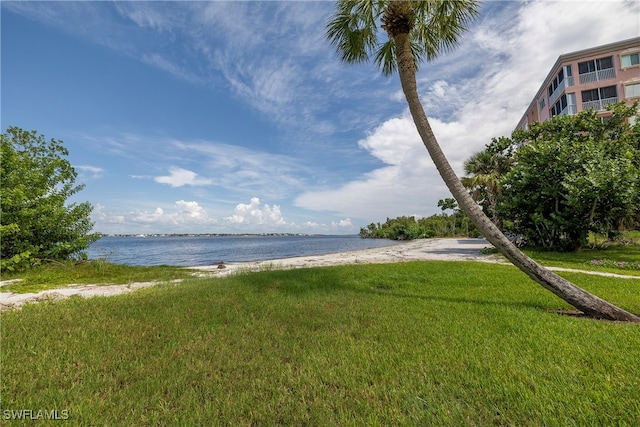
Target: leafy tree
[(574, 175), (449, 204), (36, 181), (408, 228), (418, 31)]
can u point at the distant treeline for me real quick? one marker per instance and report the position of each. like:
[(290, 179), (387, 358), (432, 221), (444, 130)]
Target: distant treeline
[(408, 228)]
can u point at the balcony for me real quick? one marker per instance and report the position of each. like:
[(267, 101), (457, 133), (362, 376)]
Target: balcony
[(594, 76), (599, 104), (568, 81), (568, 111)]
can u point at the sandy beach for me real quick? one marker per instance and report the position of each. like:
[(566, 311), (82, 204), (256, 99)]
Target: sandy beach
[(416, 250)]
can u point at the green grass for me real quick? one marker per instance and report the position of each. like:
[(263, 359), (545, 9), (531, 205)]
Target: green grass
[(583, 258), (421, 343), (56, 274)]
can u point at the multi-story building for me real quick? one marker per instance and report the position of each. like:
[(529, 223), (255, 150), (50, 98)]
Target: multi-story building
[(590, 78)]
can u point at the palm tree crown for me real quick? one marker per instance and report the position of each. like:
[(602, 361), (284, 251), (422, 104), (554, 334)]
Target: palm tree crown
[(434, 27)]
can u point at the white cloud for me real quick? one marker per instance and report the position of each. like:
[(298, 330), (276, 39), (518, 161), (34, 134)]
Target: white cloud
[(105, 218), (156, 216), (94, 171), (255, 213), (159, 61), (343, 223), (191, 210), (182, 216), (245, 170), (179, 177)]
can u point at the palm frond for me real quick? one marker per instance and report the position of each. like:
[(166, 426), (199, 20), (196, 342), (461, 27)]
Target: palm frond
[(440, 24), (353, 30), (385, 58)]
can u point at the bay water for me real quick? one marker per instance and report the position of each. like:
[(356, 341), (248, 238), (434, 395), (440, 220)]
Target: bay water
[(209, 250)]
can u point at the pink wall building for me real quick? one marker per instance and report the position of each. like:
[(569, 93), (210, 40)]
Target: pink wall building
[(590, 78)]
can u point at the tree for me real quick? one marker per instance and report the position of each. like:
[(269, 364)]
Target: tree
[(449, 204), (418, 31), (486, 168), (36, 181), (574, 175)]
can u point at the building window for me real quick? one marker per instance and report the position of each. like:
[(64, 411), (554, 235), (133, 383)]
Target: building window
[(599, 98), (541, 103), (563, 79), (630, 60), (566, 105), (596, 69), (632, 90)]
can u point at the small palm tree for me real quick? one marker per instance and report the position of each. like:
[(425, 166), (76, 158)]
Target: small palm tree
[(484, 170), (419, 31)]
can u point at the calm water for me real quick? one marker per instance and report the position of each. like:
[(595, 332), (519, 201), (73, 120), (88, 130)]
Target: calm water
[(208, 250)]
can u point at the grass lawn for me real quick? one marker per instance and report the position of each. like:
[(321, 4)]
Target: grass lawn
[(623, 259), (421, 343)]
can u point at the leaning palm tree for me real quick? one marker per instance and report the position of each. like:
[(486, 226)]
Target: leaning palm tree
[(418, 31)]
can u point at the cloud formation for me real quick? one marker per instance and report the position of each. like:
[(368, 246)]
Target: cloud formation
[(179, 177), (93, 171), (256, 214), (327, 141)]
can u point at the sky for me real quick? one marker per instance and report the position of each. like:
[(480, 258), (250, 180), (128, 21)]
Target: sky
[(239, 117)]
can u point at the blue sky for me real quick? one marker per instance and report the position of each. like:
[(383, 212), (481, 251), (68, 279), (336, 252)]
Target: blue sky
[(234, 117)]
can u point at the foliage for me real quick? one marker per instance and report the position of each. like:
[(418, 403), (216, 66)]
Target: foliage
[(448, 204), (574, 175), (485, 170), (421, 343), (36, 182), (408, 228)]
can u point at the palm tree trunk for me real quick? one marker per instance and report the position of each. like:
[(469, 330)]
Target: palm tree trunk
[(588, 303)]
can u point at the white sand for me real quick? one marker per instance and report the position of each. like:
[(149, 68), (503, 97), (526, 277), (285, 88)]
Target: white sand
[(416, 250)]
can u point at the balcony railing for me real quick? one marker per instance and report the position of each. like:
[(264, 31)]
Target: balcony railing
[(568, 81), (594, 76), (599, 104), (568, 111)]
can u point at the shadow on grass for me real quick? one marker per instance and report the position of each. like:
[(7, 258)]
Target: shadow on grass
[(379, 280)]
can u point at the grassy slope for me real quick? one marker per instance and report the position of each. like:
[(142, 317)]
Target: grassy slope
[(428, 343)]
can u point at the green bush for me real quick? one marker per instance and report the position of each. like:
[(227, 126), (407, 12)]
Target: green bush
[(35, 183)]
